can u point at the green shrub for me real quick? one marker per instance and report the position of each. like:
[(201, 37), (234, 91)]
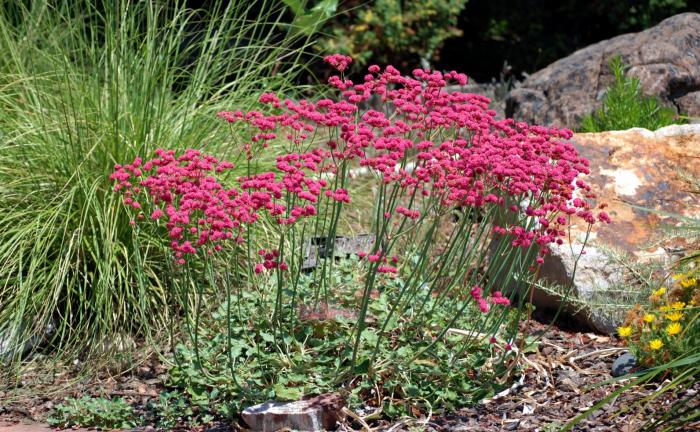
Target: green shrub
[(625, 107), (664, 336), (440, 202), (94, 412), (88, 84), (393, 31), (680, 360)]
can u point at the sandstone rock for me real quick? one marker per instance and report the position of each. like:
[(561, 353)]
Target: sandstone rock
[(632, 170), (316, 414), (666, 59)]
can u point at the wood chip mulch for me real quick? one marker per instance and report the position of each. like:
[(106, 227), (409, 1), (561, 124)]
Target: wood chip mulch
[(562, 379)]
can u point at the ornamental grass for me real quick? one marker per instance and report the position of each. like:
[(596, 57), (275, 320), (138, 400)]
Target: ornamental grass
[(85, 85)]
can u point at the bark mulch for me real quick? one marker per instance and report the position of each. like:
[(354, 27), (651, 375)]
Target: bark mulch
[(564, 377)]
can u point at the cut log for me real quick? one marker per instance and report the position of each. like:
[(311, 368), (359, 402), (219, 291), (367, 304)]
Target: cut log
[(319, 413)]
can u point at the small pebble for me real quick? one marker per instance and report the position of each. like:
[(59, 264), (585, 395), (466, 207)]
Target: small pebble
[(623, 364)]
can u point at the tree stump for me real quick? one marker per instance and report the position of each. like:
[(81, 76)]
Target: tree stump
[(319, 413)]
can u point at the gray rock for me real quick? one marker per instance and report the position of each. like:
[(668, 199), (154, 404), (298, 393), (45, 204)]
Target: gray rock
[(689, 102), (624, 365), (316, 414), (666, 59), (13, 344), (594, 273)]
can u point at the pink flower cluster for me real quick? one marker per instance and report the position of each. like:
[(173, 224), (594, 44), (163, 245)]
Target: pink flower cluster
[(201, 212), (271, 261), (464, 156), (383, 261), (444, 147), (496, 299), (338, 61), (198, 211)]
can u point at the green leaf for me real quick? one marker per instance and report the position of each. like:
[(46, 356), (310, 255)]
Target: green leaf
[(450, 395), (198, 395), (237, 347), (370, 336), (362, 367), (288, 393), (412, 390), (295, 6), (296, 377), (531, 344), (326, 7), (307, 23)]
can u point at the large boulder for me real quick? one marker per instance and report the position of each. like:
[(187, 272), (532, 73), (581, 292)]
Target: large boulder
[(633, 171), (666, 59)]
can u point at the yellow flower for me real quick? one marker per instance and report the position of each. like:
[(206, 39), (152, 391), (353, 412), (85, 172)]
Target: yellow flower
[(665, 308), (678, 305), (360, 28), (689, 282), (659, 292), (675, 316), (656, 344), (649, 318), (624, 331), (673, 329), (678, 276)]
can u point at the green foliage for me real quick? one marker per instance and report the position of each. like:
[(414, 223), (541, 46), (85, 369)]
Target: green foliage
[(684, 409), (310, 21), (684, 365), (174, 409), (86, 85), (393, 31), (625, 106), (413, 369), (645, 14), (667, 325), (94, 412), (688, 227)]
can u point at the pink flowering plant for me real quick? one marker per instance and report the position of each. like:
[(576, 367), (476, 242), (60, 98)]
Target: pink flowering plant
[(459, 208)]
